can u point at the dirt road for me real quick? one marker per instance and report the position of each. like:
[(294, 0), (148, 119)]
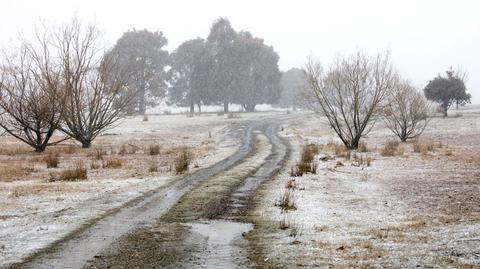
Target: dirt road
[(197, 221)]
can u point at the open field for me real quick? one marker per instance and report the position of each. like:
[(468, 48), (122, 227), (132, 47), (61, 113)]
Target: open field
[(417, 208), (386, 205), (129, 160)]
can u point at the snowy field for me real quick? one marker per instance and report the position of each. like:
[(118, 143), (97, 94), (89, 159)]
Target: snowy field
[(35, 212), (413, 209)]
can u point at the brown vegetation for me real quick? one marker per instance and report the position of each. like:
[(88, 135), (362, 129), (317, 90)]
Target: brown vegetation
[(182, 161)]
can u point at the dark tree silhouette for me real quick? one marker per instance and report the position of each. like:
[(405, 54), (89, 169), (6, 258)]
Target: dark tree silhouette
[(447, 90)]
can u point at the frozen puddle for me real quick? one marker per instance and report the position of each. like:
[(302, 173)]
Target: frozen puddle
[(222, 243)]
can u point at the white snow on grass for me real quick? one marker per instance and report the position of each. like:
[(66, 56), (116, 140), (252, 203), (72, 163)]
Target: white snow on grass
[(34, 213), (412, 210)]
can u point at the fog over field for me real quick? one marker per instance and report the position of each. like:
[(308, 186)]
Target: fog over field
[(424, 37), (239, 134)]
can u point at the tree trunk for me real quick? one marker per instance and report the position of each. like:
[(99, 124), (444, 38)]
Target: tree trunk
[(250, 107), (192, 107), (225, 107), (40, 148), (86, 144), (199, 108), (141, 100)]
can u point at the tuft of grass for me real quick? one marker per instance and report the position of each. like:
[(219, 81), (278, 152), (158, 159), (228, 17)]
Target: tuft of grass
[(153, 167), (127, 149), (51, 159), (113, 163), (361, 160), (182, 161), (97, 153), (287, 200), (307, 163), (425, 147), (79, 172), (153, 150), (362, 147), (391, 148)]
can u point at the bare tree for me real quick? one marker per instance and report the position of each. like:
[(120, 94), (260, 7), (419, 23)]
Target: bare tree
[(30, 95), (351, 92), (95, 89), (407, 112)]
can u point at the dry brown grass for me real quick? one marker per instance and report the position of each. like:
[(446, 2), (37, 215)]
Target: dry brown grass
[(79, 172), (425, 147), (307, 162), (51, 159), (182, 161), (13, 171), (153, 166), (113, 163), (97, 153), (153, 150), (127, 149), (287, 200), (391, 148)]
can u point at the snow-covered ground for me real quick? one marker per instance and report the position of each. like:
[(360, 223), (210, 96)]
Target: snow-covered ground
[(163, 108), (406, 211), (34, 212)]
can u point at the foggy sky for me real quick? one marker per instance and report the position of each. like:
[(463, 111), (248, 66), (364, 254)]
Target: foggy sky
[(424, 37)]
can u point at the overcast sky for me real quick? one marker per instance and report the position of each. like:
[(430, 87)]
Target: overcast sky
[(424, 37)]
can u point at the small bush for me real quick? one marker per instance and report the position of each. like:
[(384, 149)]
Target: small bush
[(287, 200), (220, 114), (79, 172), (98, 153), (167, 112), (154, 150), (390, 148), (145, 117), (127, 149), (153, 167), (182, 161), (362, 160), (307, 163), (94, 165), (51, 159), (362, 147), (112, 163), (190, 115)]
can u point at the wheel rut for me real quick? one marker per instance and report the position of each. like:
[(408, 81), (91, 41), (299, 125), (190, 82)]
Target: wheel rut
[(196, 222)]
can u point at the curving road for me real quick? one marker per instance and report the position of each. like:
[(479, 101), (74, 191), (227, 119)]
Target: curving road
[(213, 243)]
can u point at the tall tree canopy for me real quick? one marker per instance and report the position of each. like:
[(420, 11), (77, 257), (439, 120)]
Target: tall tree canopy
[(189, 74), (220, 44), (143, 54), (257, 76), (447, 90)]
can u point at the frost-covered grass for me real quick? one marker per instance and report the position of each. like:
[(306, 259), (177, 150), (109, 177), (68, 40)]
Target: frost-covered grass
[(35, 211), (402, 211)]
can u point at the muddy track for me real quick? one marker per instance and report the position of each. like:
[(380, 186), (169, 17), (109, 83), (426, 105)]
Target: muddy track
[(83, 247)]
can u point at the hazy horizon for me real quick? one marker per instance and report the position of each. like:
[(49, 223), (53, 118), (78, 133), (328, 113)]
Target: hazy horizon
[(424, 38)]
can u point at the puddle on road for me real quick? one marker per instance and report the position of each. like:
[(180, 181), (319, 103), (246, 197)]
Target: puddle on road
[(223, 245)]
